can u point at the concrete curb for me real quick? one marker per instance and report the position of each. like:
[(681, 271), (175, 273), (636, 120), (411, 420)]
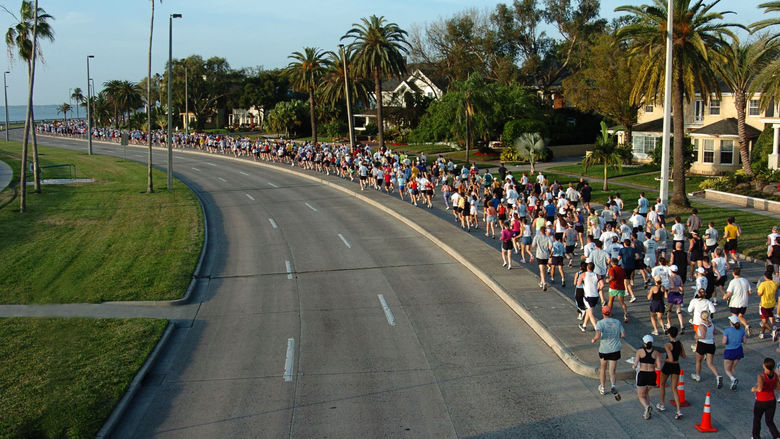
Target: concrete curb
[(135, 385)]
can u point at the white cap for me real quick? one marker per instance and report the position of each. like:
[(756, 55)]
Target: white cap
[(549, 223), (673, 268), (700, 270), (647, 339), (734, 319)]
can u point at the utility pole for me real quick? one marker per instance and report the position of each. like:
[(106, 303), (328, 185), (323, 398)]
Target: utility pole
[(89, 112), (169, 140), (346, 96)]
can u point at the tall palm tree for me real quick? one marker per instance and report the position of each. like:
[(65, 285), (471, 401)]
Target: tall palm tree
[(112, 89), (332, 88), (33, 24), (78, 98), (305, 72), (64, 109), (149, 182), (606, 152), (379, 49), (473, 100), (742, 63), (769, 78), (699, 41)]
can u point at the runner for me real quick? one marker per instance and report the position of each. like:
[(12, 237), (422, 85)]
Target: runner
[(731, 234), (646, 361), (617, 287), (543, 245), (738, 291), (656, 297), (767, 291), (766, 402), (506, 246), (705, 348), (733, 338), (556, 260), (591, 286), (608, 333), (671, 368)]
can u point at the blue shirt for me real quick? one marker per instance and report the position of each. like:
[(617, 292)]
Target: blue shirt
[(550, 209), (734, 337), (643, 205), (558, 249), (627, 255), (610, 335)]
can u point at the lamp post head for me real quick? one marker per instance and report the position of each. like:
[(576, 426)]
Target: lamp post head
[(90, 56), (175, 15)]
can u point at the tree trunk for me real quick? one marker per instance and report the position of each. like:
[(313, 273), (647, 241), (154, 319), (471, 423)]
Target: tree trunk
[(313, 117), (379, 120), (605, 188), (36, 162), (740, 102), (679, 197), (149, 184), (468, 136)]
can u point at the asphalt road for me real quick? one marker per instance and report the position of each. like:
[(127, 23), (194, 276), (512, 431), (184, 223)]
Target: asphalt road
[(321, 317)]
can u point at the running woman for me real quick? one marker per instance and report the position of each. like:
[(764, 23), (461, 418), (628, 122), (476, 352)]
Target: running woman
[(766, 402), (671, 368), (506, 246), (591, 287), (543, 245), (656, 297), (733, 338), (646, 361), (705, 348)]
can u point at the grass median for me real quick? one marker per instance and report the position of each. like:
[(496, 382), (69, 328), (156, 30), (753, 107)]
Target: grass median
[(62, 377), (100, 241)]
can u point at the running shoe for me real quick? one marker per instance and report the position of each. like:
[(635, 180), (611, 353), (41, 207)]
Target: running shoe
[(487, 234), (582, 327), (678, 416), (719, 381), (762, 336), (734, 383), (522, 260), (601, 390), (504, 265), (632, 300), (696, 378), (655, 333), (563, 282), (648, 409), (660, 407), (509, 267), (579, 315), (615, 392), (544, 287), (541, 285), (747, 330)]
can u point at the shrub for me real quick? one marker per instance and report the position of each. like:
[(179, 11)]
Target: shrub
[(716, 183), (510, 154), (759, 156), (514, 128), (372, 129)]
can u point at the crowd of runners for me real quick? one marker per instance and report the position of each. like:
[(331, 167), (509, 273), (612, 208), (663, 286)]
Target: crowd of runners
[(619, 252)]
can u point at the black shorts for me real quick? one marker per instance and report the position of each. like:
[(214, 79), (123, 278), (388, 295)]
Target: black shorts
[(720, 282), (363, 177), (639, 264), (611, 356), (541, 261), (705, 348), (730, 245), (507, 245), (556, 260), (645, 379), (570, 249), (558, 236), (579, 229), (670, 369), (629, 273), (738, 311), (591, 301), (657, 306), (579, 298), (711, 248)]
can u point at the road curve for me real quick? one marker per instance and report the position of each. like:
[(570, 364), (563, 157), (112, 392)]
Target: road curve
[(322, 317)]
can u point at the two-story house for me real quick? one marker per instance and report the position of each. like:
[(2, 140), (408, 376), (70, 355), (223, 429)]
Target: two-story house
[(712, 127)]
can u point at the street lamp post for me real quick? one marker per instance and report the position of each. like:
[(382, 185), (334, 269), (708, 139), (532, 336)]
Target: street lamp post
[(346, 96), (169, 140), (5, 92), (186, 105), (89, 113), (664, 189)]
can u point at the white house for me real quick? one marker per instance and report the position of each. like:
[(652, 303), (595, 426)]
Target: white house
[(244, 116)]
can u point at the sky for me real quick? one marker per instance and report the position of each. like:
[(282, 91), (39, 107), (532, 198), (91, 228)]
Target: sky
[(248, 33)]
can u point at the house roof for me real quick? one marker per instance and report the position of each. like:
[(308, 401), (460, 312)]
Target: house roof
[(727, 127), (429, 72), (653, 126)]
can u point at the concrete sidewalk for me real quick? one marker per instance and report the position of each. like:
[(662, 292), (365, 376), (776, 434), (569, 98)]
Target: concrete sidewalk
[(6, 174)]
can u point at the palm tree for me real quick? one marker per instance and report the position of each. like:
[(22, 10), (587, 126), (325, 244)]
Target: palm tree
[(606, 152), (698, 46), (769, 77), (473, 97), (64, 109), (112, 88), (530, 146), (332, 88), (149, 182), (78, 98), (305, 72), (743, 62), (379, 52), (33, 25)]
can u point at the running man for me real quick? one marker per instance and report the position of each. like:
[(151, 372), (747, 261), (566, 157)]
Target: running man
[(608, 333)]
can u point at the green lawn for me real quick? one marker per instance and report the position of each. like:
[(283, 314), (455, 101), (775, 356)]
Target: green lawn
[(415, 148), (649, 180), (62, 377), (597, 171), (100, 241)]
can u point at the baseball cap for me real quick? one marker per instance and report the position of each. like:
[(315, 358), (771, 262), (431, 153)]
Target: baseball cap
[(606, 310), (647, 339), (700, 270), (673, 268), (734, 319), (549, 223)]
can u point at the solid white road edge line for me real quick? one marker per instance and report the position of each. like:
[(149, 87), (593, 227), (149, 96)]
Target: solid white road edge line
[(273, 223), (289, 269), (310, 206), (288, 362), (250, 197), (345, 241), (386, 308)]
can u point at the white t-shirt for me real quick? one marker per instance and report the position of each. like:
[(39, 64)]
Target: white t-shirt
[(662, 272), (719, 265), (739, 287), (678, 232), (711, 237), (698, 305), (772, 237), (599, 258), (590, 284), (588, 249), (650, 248), (606, 237)]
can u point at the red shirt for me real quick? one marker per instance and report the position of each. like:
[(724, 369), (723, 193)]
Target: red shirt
[(617, 278)]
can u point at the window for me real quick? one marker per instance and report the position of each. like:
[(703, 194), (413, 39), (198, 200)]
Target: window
[(726, 152), (649, 108), (643, 144), (696, 153), (698, 114), (709, 151), (753, 108), (715, 107)]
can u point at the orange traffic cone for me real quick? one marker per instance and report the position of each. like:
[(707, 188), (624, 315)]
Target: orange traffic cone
[(681, 392), (706, 418)]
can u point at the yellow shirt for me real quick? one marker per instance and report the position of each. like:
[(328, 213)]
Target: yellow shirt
[(768, 292), (730, 232)]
